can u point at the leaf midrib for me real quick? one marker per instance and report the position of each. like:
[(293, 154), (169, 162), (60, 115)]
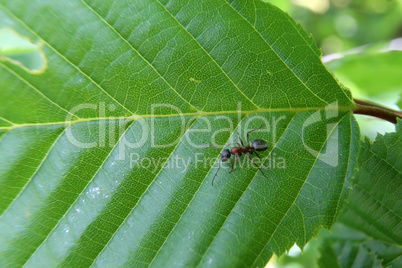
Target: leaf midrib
[(202, 113)]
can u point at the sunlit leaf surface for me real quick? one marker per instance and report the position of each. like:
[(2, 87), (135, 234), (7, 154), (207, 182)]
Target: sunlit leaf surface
[(89, 148)]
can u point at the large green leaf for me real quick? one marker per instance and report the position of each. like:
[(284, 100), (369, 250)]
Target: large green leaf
[(70, 193)]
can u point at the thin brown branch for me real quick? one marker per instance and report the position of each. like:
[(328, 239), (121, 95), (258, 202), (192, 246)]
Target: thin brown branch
[(372, 109)]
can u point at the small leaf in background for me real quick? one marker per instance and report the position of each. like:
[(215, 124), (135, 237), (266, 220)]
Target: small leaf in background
[(370, 71), (346, 247), (370, 230), (371, 75), (374, 203)]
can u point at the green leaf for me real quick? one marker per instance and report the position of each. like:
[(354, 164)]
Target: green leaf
[(372, 72), (345, 247), (371, 75), (372, 235), (346, 255), (88, 172), (390, 255), (374, 207)]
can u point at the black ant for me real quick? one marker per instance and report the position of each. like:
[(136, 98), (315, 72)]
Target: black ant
[(256, 145)]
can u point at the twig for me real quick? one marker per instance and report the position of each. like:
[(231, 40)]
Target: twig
[(372, 109)]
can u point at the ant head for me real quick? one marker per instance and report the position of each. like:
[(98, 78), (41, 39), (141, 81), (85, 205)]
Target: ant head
[(225, 155), (259, 145)]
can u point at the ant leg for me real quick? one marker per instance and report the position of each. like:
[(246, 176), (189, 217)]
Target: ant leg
[(262, 163), (234, 157), (219, 166), (234, 143), (248, 140), (242, 144), (257, 166)]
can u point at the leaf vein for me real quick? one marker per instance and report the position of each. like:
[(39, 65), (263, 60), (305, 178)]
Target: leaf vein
[(83, 190), (244, 192), (346, 172), (229, 79), (294, 201), (34, 173), (145, 191), (136, 51), (279, 56), (36, 89), (195, 193), (63, 57)]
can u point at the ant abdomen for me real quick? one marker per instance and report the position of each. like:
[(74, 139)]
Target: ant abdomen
[(259, 145)]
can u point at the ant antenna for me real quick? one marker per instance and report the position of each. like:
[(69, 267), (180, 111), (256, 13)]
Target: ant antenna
[(220, 160)]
